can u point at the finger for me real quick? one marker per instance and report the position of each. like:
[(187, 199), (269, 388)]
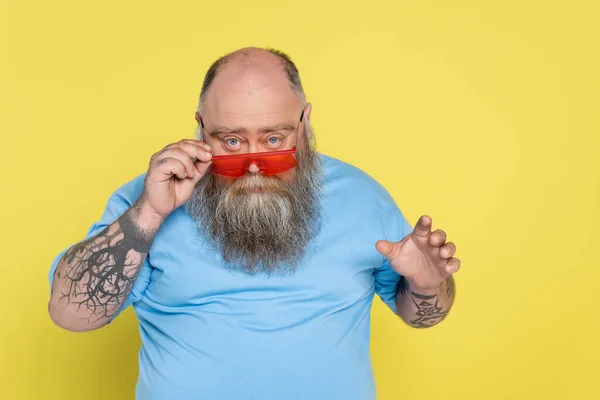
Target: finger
[(452, 265), (179, 154), (437, 238), (201, 167), (423, 227), (167, 147), (171, 166), (388, 249), (196, 151), (447, 250), (200, 143)]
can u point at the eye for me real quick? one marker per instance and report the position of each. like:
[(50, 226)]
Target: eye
[(273, 140), (232, 142)]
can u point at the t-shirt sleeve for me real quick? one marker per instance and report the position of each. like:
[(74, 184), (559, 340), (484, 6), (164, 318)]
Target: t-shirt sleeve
[(386, 279), (119, 202)]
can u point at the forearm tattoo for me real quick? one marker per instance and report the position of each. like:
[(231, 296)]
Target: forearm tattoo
[(98, 274), (428, 311)]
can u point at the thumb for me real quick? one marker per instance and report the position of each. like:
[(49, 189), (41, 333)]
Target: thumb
[(386, 248)]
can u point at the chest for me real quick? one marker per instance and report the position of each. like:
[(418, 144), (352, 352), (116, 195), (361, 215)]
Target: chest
[(337, 270)]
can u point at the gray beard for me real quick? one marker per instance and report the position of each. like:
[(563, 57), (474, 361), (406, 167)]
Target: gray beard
[(267, 231)]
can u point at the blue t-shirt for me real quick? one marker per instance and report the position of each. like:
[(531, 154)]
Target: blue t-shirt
[(212, 333)]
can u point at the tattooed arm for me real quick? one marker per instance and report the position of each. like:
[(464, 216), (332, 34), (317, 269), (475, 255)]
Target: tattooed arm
[(426, 265), (423, 309), (94, 277)]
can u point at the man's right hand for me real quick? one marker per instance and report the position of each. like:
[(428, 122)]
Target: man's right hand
[(172, 175), (94, 277)]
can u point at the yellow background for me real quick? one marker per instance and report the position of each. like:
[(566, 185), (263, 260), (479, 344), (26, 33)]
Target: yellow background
[(483, 115)]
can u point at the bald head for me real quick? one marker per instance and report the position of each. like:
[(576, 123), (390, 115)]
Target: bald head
[(248, 93), (252, 69)]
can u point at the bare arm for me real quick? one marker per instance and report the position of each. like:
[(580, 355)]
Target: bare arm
[(424, 308), (94, 277), (426, 265)]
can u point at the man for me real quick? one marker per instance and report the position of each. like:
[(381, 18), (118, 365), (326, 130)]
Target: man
[(252, 275)]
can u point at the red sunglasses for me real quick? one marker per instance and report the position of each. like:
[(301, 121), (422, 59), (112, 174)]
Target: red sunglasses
[(269, 163)]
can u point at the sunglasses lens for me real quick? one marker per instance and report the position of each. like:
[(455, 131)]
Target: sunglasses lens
[(235, 167), (276, 164)]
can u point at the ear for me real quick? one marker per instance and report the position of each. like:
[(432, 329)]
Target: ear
[(307, 111), (197, 115)]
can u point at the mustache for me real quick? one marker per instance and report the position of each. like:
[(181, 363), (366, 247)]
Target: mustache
[(244, 184)]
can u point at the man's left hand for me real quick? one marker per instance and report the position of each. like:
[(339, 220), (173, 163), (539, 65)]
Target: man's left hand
[(424, 258)]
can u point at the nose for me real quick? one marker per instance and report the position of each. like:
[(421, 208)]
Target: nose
[(253, 168)]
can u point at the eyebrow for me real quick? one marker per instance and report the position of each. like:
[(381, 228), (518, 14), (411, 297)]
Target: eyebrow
[(221, 130), (278, 127)]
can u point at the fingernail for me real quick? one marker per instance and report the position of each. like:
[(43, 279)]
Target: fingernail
[(208, 154)]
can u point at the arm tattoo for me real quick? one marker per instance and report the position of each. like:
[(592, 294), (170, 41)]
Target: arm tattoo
[(428, 310), (99, 273), (428, 313)]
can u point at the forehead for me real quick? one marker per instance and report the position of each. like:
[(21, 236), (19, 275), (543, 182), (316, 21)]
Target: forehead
[(251, 95)]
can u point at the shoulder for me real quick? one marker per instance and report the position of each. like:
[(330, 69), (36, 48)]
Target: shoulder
[(349, 181), (358, 202)]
